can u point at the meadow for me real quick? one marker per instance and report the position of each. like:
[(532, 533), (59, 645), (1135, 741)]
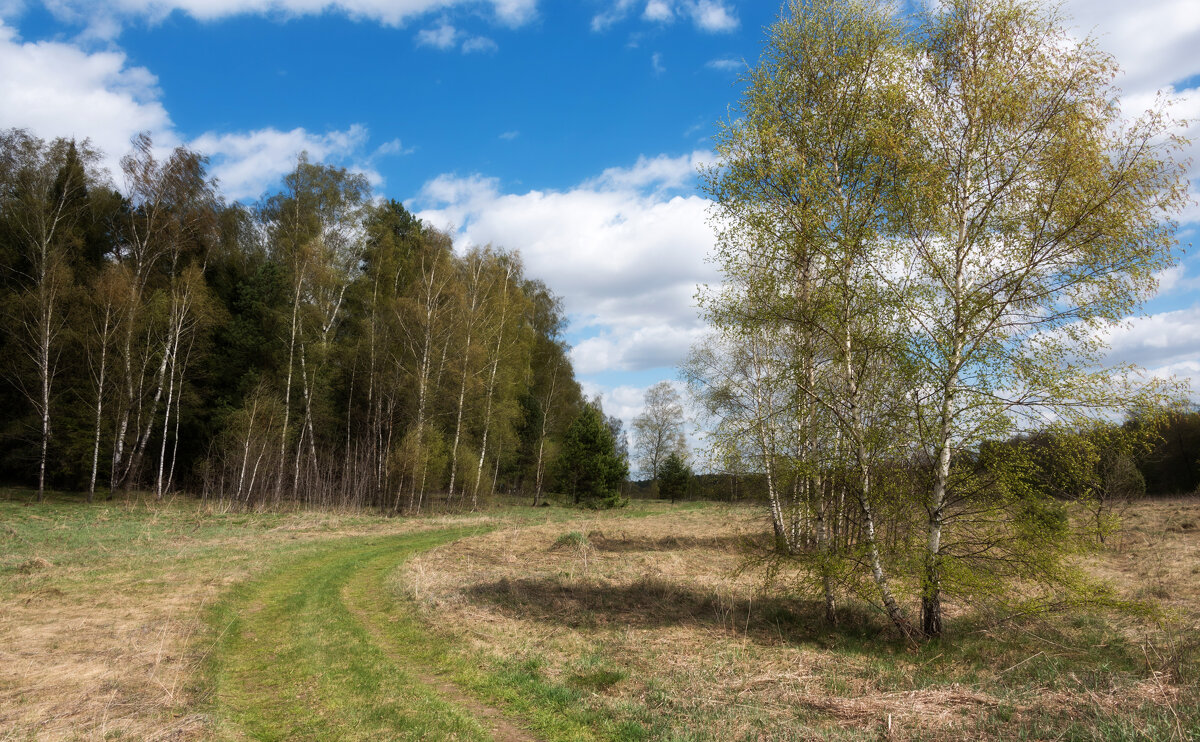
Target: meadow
[(136, 619)]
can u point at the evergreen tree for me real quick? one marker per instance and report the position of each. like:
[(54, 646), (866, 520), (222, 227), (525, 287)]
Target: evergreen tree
[(674, 477), (590, 468)]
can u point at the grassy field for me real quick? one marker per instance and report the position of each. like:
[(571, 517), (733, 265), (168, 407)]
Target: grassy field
[(133, 620)]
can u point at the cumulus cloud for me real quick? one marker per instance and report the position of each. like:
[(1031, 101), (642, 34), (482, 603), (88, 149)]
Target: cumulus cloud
[(625, 249), (624, 401), (1158, 340), (442, 36), (713, 16), (659, 10), (105, 19), (1155, 45), (647, 346), (246, 164), (1155, 42), (58, 90)]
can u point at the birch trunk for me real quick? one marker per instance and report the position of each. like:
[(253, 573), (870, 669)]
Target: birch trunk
[(487, 416)]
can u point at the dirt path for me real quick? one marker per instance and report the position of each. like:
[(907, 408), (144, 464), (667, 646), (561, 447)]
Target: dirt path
[(322, 649)]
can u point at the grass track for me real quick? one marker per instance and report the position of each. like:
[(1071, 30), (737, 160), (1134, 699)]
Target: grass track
[(322, 648), (295, 662)]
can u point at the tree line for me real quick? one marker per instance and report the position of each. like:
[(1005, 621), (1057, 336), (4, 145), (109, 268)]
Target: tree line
[(926, 225), (320, 346)]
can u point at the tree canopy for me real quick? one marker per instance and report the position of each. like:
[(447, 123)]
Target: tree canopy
[(320, 345), (658, 430), (590, 466), (925, 225), (674, 477)]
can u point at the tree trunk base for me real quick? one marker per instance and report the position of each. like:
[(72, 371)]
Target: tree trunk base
[(931, 616)]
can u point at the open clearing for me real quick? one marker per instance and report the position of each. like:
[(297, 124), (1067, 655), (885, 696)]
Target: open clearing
[(130, 621)]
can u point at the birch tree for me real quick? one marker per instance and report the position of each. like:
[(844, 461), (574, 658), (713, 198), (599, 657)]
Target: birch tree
[(315, 228), (169, 228), (658, 431), (46, 200), (109, 295), (1037, 218), (802, 191), (926, 235)]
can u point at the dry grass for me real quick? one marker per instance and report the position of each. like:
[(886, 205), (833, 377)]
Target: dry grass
[(655, 608), (102, 609), (103, 634)]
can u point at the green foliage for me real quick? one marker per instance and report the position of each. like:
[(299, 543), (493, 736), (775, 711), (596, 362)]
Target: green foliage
[(319, 346), (908, 226), (589, 467), (674, 477), (573, 540), (1096, 466)]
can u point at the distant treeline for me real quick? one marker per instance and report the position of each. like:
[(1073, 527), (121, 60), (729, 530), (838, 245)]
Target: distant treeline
[(321, 345), (1163, 450)]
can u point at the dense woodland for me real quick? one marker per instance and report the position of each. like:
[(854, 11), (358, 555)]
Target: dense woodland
[(321, 345)]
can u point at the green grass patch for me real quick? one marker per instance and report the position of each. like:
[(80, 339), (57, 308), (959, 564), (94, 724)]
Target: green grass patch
[(319, 648)]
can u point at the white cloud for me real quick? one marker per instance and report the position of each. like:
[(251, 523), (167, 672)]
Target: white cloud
[(58, 90), (614, 14), (105, 19), (726, 64), (1155, 42), (713, 16), (659, 10), (624, 401), (648, 346), (623, 251), (1158, 340), (246, 164), (661, 172), (445, 36), (393, 147), (656, 63), (460, 195), (441, 36), (1169, 278), (508, 136)]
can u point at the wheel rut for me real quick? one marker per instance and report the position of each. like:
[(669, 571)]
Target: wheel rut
[(319, 648), (501, 729)]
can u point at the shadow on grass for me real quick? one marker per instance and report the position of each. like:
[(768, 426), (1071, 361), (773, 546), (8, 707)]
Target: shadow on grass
[(619, 542), (654, 603)]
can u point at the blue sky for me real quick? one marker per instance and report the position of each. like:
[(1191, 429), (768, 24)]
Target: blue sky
[(567, 130)]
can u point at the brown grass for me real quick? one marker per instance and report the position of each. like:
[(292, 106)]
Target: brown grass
[(109, 641), (104, 637), (710, 654)]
